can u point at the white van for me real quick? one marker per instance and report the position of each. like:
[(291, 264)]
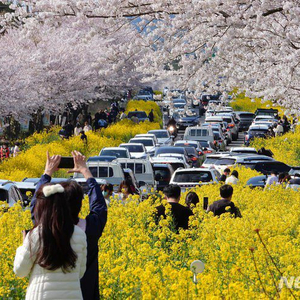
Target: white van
[(111, 172), (141, 168), (197, 133)]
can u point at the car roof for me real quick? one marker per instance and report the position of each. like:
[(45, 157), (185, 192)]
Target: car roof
[(141, 138), (242, 148), (259, 127), (114, 148), (157, 130), (186, 142), (131, 144), (196, 169)]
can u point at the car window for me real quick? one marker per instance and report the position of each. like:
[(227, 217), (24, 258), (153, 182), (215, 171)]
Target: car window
[(103, 171), (137, 168), (164, 173), (160, 134), (210, 160), (225, 161), (117, 153), (246, 116), (193, 176), (146, 143), (170, 150), (134, 148), (3, 195), (199, 132)]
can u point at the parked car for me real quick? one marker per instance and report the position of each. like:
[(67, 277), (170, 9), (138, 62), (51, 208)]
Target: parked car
[(266, 167), (188, 118), (115, 151), (141, 115), (102, 158), (148, 135), (27, 190), (175, 162), (255, 132), (172, 150), (196, 133), (162, 135), (162, 175), (257, 181), (141, 168), (246, 119), (111, 172), (187, 178), (144, 95), (245, 150), (9, 193), (137, 150), (266, 111), (147, 142)]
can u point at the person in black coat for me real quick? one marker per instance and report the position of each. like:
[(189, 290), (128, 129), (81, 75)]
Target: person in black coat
[(93, 224), (180, 213), (224, 205), (225, 174), (151, 116)]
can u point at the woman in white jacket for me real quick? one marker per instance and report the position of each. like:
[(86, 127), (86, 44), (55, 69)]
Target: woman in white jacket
[(54, 251)]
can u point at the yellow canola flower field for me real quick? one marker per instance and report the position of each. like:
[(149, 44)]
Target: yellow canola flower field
[(30, 163), (244, 258), (286, 148), (138, 259)]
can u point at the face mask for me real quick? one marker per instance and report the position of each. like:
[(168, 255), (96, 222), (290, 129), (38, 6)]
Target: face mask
[(104, 193)]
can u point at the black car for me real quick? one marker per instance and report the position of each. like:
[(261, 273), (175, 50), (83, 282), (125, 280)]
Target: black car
[(257, 181), (256, 132), (141, 115), (162, 175), (246, 119), (188, 118), (266, 167)]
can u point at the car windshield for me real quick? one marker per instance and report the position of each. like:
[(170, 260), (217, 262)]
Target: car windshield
[(225, 161), (193, 176), (145, 142), (204, 143), (258, 131), (170, 150), (163, 173), (179, 105), (139, 114), (133, 148), (210, 160), (117, 153), (186, 145), (160, 134), (246, 116), (144, 93)]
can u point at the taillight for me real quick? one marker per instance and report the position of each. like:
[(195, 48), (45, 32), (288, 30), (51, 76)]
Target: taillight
[(208, 151), (200, 153), (227, 129), (231, 125), (194, 158)]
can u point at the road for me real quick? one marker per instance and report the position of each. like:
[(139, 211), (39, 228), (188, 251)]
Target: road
[(238, 143)]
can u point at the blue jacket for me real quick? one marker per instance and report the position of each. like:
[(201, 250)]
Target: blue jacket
[(95, 223)]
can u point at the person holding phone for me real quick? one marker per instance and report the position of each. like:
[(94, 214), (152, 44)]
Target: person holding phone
[(54, 251), (93, 224)]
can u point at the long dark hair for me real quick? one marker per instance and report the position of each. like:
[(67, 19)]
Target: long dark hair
[(56, 227)]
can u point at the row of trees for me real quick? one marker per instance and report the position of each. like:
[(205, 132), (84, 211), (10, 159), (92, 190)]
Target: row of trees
[(66, 48)]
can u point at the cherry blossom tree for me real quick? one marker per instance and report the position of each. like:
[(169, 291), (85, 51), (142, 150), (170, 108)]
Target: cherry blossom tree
[(47, 63), (253, 45)]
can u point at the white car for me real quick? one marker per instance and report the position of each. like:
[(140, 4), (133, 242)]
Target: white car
[(175, 155), (175, 162), (162, 135), (115, 151), (147, 135), (147, 142), (136, 150), (188, 178), (228, 161), (243, 150)]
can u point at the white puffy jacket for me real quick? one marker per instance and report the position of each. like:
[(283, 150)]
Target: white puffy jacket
[(45, 284)]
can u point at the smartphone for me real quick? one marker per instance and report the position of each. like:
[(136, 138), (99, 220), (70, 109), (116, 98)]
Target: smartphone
[(66, 163), (205, 203)]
